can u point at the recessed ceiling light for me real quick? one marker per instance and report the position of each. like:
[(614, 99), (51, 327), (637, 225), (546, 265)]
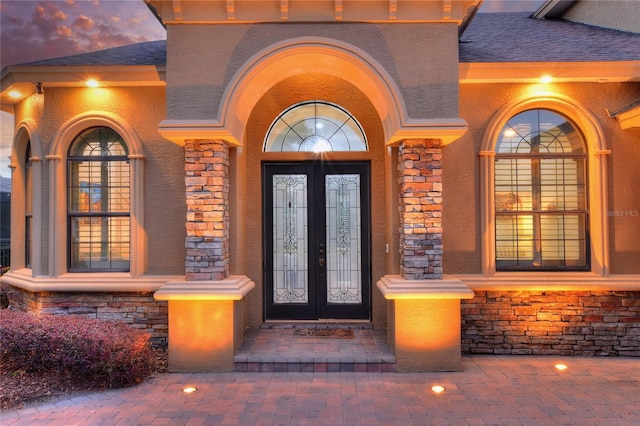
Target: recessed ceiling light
[(546, 79), (561, 367), (15, 94), (92, 83)]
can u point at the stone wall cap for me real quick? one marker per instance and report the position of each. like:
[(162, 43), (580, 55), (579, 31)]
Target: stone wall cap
[(234, 287), (395, 287)]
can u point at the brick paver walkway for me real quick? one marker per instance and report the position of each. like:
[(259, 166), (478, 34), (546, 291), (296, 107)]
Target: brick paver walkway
[(492, 390)]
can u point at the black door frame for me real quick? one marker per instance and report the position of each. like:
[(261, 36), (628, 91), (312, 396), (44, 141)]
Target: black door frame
[(317, 306)]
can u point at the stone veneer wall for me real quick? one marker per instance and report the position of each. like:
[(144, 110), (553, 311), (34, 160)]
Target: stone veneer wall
[(420, 179), (552, 323), (207, 192), (140, 310)]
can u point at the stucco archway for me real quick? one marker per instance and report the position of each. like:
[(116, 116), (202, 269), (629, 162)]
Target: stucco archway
[(310, 55)]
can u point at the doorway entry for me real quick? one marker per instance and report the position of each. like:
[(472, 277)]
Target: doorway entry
[(317, 240)]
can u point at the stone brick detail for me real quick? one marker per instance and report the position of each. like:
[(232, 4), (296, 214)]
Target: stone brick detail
[(140, 310), (420, 180), (207, 194), (552, 323)]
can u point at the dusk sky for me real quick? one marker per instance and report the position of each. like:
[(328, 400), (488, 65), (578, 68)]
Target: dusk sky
[(31, 30)]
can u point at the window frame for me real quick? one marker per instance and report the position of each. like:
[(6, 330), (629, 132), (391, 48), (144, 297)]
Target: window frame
[(535, 157), (597, 228), (58, 231), (74, 214), (318, 118)]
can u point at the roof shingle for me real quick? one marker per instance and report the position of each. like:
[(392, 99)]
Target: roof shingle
[(491, 37), (515, 37), (147, 53)]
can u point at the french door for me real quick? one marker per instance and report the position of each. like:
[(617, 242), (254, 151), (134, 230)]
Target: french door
[(316, 240)]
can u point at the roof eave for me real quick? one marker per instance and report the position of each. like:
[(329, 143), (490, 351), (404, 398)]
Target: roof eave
[(25, 79), (559, 72)]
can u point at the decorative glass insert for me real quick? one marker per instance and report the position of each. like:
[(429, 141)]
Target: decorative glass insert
[(541, 194), (344, 275), (315, 126), (290, 245), (99, 200)]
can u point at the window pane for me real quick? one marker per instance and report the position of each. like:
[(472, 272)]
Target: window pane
[(99, 202), (540, 194), (315, 126), (290, 230), (343, 228), (100, 243)]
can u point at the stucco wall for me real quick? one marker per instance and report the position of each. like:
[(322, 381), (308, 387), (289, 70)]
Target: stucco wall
[(461, 177), (281, 96), (142, 109), (619, 14), (203, 59)]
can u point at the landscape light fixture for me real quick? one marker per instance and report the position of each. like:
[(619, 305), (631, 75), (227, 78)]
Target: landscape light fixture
[(189, 389), (437, 389)]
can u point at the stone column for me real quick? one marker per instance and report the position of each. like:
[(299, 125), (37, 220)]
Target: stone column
[(423, 308), (206, 319), (207, 193), (420, 179)]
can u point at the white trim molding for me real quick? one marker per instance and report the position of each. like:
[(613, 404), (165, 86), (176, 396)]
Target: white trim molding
[(58, 189), (318, 55), (86, 282), (26, 131), (234, 287), (395, 287), (548, 281)]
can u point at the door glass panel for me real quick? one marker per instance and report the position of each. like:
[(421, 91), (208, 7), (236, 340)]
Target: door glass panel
[(290, 268), (343, 238)]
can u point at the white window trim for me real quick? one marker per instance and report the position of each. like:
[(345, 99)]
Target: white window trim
[(597, 180), (26, 131), (58, 252)]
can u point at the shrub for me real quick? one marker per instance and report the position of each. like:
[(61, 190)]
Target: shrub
[(106, 354)]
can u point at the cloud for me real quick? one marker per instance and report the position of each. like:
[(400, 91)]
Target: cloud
[(31, 30), (83, 22)]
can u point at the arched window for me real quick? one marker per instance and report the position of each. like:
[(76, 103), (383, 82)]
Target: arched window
[(540, 184), (28, 206), (315, 126), (98, 202)]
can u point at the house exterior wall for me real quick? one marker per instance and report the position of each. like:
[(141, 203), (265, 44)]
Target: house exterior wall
[(617, 14), (203, 59), (203, 63), (559, 321), (461, 176), (142, 109)]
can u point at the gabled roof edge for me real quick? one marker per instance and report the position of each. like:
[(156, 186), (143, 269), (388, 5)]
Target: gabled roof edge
[(553, 9)]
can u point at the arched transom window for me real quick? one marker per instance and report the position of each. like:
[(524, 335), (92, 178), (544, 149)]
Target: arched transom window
[(541, 194), (315, 126), (99, 195)]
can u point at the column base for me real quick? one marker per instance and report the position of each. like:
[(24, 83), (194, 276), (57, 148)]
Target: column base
[(424, 322), (206, 323)]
